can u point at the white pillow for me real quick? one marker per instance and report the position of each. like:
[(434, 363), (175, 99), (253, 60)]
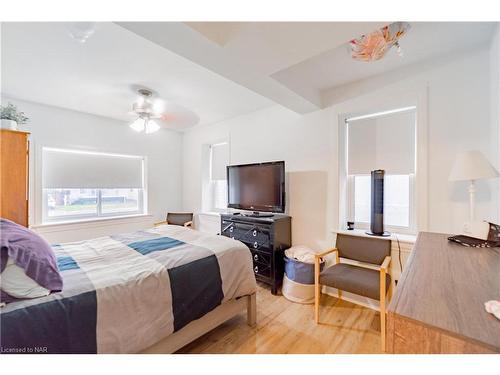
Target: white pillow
[(14, 282)]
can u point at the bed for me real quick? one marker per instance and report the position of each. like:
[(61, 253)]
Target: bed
[(151, 291)]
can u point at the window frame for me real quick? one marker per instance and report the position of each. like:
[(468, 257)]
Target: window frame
[(211, 182), (41, 194), (418, 180), (384, 99)]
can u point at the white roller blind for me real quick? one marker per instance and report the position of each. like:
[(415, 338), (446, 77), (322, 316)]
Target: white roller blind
[(220, 160), (73, 169), (386, 142)]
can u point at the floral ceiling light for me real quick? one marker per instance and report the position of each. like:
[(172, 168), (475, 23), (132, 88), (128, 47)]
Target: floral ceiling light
[(374, 46)]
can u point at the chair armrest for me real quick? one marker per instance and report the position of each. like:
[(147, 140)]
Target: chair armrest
[(160, 223), (385, 263), (321, 255), (188, 224)]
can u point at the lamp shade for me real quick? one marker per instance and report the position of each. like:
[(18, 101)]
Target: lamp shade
[(472, 165)]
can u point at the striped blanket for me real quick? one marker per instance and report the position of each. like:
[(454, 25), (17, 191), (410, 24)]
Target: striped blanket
[(124, 293)]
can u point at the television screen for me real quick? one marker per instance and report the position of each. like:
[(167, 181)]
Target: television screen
[(257, 187)]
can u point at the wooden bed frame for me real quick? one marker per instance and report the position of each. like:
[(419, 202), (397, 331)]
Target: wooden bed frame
[(199, 327)]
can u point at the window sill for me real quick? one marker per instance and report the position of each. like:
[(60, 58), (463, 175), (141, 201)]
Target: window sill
[(98, 220), (402, 237), (213, 213), (209, 213)]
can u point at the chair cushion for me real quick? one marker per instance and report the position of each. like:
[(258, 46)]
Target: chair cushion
[(353, 279)]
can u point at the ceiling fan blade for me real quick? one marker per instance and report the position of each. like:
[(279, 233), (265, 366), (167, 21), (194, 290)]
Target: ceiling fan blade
[(174, 116), (181, 118)]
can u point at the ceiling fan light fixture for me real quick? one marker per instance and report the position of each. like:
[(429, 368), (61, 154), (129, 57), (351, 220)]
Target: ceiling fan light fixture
[(375, 45), (143, 108), (151, 127), (138, 125)]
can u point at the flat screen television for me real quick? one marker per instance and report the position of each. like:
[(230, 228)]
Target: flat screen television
[(257, 187)]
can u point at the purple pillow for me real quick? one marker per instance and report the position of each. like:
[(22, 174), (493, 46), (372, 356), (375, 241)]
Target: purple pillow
[(30, 252)]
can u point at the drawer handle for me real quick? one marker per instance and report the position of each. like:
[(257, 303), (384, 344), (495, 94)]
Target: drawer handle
[(256, 269), (255, 245), (254, 233), (255, 257)]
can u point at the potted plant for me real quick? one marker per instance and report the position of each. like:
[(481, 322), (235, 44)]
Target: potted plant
[(11, 118)]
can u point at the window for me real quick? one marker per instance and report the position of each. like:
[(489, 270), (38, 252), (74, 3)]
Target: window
[(119, 200), (81, 185), (64, 203), (71, 202), (396, 200), (215, 191), (382, 141), (219, 194)]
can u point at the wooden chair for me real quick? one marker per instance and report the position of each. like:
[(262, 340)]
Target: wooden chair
[(367, 276), (178, 218)]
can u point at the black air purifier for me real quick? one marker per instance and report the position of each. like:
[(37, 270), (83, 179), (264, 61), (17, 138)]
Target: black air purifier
[(377, 204)]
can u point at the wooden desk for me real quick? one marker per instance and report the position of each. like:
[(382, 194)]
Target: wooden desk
[(438, 306)]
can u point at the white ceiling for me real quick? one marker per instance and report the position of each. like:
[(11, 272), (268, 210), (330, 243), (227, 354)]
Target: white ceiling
[(206, 71), (250, 52), (269, 47), (41, 63), (293, 63), (424, 41)]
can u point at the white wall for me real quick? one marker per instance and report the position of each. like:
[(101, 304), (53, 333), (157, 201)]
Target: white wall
[(462, 100), (56, 127), (458, 119), (275, 133)]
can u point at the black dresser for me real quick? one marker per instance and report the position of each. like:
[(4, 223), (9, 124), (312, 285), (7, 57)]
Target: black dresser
[(267, 238)]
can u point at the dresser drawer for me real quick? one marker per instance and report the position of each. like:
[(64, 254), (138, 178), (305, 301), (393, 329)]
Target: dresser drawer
[(256, 238), (253, 236), (261, 257), (259, 246), (261, 270)]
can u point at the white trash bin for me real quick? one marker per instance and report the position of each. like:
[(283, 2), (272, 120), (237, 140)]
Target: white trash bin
[(298, 281)]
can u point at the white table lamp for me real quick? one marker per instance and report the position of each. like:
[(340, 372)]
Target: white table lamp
[(472, 166)]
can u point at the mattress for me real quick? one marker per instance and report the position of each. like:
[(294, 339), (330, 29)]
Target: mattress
[(123, 293)]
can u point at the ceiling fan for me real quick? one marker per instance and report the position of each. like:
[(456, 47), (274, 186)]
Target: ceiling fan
[(153, 112), (144, 109)]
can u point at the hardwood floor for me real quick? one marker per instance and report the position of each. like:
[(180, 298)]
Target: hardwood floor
[(287, 327)]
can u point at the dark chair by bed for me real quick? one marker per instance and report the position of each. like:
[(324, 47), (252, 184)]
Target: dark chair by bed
[(178, 218), (367, 277)]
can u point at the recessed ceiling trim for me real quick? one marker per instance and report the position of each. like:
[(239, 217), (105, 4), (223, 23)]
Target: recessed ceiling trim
[(193, 46)]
